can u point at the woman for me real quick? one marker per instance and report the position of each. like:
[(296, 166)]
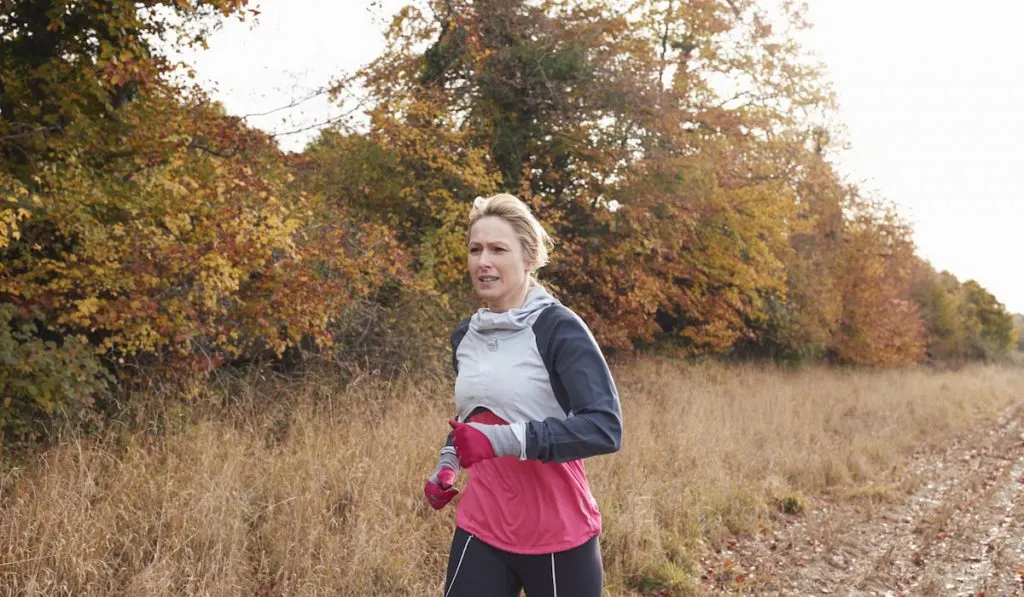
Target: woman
[(534, 396)]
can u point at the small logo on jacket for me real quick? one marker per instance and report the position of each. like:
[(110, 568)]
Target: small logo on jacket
[(492, 344)]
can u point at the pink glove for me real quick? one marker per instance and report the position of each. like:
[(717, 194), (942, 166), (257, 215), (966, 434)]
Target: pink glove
[(440, 492), (439, 487), (471, 444)]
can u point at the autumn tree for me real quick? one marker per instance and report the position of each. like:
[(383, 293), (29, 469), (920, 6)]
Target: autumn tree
[(66, 72), (803, 322), (670, 195), (142, 227), (414, 180), (995, 337), (964, 320), (880, 324)]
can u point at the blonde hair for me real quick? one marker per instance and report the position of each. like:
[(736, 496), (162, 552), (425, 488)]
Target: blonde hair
[(534, 240)]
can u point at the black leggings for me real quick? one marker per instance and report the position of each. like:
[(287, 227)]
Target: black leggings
[(476, 569)]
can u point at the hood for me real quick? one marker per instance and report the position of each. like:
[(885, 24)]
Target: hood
[(514, 319)]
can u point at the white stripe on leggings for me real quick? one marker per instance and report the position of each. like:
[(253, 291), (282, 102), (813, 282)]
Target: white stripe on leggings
[(459, 565), (554, 584)]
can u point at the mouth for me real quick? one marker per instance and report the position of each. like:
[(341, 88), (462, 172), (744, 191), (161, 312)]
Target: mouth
[(487, 279)]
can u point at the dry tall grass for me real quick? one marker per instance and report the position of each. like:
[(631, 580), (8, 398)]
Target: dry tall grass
[(311, 490)]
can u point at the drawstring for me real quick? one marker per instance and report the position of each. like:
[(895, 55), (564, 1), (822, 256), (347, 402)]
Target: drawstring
[(459, 565)]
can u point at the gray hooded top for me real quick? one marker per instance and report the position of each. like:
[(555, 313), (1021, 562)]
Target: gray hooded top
[(539, 368)]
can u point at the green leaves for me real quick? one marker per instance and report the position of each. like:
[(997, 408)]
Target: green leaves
[(40, 377), (964, 321)]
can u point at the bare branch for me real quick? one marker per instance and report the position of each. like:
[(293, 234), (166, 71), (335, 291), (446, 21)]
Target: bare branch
[(314, 95), (321, 124), (199, 143)]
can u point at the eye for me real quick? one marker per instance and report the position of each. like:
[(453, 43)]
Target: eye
[(474, 250)]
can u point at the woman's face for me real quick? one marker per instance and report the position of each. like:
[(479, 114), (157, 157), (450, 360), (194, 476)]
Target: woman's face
[(497, 264)]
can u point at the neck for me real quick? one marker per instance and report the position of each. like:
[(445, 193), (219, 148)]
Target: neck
[(514, 301)]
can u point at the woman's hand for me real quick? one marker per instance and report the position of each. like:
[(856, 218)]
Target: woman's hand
[(440, 486), (471, 444), (476, 442)]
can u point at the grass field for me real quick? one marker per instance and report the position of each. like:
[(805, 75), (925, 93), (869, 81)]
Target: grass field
[(305, 488)]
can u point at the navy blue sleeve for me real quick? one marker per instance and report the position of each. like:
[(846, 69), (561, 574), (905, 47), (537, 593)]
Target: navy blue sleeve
[(456, 339), (583, 385)]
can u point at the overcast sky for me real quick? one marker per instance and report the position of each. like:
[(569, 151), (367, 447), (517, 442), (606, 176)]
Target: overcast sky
[(931, 92)]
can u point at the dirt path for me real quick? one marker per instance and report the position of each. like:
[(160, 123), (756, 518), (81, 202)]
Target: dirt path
[(957, 529)]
